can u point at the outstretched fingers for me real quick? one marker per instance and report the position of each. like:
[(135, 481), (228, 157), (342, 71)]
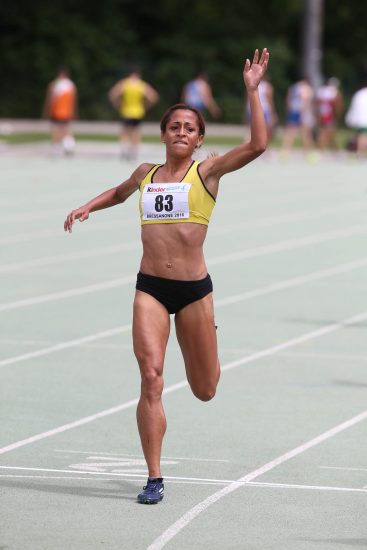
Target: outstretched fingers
[(256, 57), (247, 65), (68, 224), (80, 214), (264, 57)]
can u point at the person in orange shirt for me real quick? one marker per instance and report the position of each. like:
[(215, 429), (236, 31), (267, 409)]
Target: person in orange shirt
[(131, 97), (61, 108)]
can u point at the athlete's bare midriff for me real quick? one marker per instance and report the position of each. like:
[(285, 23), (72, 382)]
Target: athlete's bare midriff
[(174, 251)]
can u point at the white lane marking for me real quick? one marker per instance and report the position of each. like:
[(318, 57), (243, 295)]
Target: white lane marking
[(304, 487), (118, 455), (85, 420), (116, 474), (70, 257), (287, 218), (79, 291), (344, 468), (113, 283), (193, 480), (263, 222), (186, 480), (297, 340), (194, 512), (281, 285), (293, 282), (183, 384), (305, 354), (283, 246), (297, 281), (31, 216), (121, 465), (232, 257), (38, 235), (17, 476), (65, 345)]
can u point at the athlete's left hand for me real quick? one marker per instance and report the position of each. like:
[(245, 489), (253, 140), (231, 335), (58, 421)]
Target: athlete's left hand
[(254, 72)]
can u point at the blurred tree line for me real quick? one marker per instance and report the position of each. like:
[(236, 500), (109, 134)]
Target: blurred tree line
[(170, 40)]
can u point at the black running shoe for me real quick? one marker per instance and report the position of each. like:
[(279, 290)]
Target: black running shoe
[(153, 491)]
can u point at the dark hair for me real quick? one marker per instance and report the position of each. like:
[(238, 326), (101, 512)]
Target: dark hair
[(184, 107)]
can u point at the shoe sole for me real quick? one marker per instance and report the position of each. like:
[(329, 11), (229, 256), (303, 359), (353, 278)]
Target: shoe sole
[(147, 501)]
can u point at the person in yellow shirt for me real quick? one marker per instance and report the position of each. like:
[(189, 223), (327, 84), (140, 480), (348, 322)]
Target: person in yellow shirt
[(60, 108), (131, 97)]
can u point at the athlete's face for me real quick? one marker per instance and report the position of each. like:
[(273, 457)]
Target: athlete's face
[(182, 132)]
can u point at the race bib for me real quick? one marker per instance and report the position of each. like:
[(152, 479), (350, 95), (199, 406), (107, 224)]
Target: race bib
[(165, 201)]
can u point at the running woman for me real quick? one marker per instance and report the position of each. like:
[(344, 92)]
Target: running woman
[(176, 202)]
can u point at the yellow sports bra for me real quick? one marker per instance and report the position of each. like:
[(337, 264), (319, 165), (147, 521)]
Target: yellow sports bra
[(185, 201)]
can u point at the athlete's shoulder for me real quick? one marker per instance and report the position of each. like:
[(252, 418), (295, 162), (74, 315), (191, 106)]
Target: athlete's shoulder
[(207, 166), (142, 170)]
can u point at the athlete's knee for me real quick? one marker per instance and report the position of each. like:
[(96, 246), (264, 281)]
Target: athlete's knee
[(151, 383), (205, 392)]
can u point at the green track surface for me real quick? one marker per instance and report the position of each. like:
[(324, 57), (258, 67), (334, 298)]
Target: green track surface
[(287, 253)]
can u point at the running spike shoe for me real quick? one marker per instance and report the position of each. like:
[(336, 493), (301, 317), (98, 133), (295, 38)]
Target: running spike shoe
[(153, 491)]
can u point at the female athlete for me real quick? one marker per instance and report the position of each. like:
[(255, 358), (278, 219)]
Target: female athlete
[(176, 201)]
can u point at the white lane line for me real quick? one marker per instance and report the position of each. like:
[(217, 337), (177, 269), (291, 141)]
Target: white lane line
[(292, 244), (33, 216), (17, 476), (281, 285), (287, 218), (262, 222), (297, 340), (79, 291), (128, 455), (97, 225), (281, 246), (70, 257), (305, 487), (180, 480), (344, 468), (303, 355), (194, 512), (65, 345), (85, 420), (183, 384), (193, 480), (293, 282), (117, 474), (113, 283)]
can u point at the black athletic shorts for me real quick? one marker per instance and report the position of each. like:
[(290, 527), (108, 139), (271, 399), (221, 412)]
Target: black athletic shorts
[(171, 293), (132, 122)]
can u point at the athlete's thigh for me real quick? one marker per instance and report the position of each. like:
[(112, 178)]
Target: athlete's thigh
[(196, 334), (151, 327)]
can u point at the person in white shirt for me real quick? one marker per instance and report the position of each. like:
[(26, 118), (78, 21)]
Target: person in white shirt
[(356, 117)]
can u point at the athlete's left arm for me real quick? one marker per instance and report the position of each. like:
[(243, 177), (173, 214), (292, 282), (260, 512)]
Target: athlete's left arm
[(47, 104), (114, 94), (151, 95), (214, 168)]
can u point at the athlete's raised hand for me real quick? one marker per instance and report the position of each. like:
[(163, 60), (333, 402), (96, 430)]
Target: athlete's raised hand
[(254, 72)]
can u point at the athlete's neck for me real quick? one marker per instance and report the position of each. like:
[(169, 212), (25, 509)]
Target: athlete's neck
[(176, 166)]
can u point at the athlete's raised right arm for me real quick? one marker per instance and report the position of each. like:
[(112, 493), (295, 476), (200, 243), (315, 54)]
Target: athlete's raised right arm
[(109, 198), (114, 94)]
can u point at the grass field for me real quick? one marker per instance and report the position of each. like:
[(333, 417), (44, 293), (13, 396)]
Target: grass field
[(277, 461)]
